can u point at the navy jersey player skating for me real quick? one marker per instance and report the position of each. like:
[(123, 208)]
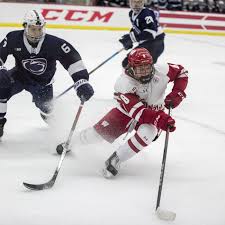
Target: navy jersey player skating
[(145, 32), (35, 54)]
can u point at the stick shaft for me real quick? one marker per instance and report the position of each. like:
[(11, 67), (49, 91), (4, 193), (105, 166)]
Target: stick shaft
[(74, 124), (116, 53), (163, 166)]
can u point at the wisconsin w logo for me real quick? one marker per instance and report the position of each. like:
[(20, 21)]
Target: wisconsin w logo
[(36, 66)]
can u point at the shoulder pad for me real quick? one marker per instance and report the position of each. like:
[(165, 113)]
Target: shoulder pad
[(162, 68), (125, 84)]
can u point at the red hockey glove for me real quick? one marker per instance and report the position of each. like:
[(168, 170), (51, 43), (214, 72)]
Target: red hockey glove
[(174, 99), (164, 121), (159, 119)]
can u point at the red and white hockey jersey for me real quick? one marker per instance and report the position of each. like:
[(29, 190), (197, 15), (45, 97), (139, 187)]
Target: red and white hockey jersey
[(133, 97)]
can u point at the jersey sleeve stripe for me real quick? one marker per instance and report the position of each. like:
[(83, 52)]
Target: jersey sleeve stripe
[(76, 67), (139, 114), (3, 107), (2, 63), (132, 36), (182, 75), (134, 108)]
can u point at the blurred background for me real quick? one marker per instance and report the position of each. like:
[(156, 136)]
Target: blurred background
[(215, 6)]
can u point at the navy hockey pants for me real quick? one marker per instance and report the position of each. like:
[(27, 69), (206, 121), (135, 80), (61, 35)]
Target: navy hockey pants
[(42, 95), (155, 48)]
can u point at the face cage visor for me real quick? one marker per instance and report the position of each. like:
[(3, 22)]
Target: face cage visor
[(34, 33), (142, 73)]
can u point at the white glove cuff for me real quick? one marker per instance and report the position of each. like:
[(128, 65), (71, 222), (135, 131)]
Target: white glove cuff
[(80, 83)]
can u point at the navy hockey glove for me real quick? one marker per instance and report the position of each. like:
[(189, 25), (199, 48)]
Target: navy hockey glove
[(84, 90), (5, 79), (126, 41)]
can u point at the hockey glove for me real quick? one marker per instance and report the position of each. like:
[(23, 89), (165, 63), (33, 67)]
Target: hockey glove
[(174, 98), (85, 91), (126, 41), (159, 119), (5, 79)]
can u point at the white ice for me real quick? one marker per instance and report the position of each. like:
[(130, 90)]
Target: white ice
[(194, 184)]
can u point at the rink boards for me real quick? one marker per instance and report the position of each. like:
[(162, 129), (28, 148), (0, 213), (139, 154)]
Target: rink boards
[(106, 18)]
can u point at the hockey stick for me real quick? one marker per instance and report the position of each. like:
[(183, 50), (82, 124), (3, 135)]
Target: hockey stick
[(161, 213), (51, 182), (116, 53)]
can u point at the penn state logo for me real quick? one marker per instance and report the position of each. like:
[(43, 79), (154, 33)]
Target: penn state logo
[(36, 66)]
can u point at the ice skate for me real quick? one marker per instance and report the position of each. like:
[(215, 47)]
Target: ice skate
[(112, 166)]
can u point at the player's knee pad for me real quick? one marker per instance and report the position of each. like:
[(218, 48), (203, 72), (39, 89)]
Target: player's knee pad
[(147, 132), (143, 137)]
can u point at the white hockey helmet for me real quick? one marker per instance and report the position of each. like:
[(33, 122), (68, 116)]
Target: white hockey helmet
[(137, 5), (34, 26)]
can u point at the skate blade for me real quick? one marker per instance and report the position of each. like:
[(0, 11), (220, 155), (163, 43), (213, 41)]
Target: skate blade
[(165, 214), (106, 174)]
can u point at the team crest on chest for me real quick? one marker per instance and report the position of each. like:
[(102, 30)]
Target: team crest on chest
[(36, 66)]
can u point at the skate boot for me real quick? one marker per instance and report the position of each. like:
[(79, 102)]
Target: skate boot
[(112, 166), (2, 123)]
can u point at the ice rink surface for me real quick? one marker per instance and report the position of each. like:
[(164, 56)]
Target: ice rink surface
[(194, 184)]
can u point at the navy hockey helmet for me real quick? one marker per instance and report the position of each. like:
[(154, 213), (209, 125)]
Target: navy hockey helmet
[(34, 26), (140, 65)]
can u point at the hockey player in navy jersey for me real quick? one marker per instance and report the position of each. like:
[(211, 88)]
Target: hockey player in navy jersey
[(145, 31), (35, 54)]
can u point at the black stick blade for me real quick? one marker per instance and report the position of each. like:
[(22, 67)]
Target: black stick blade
[(39, 187)]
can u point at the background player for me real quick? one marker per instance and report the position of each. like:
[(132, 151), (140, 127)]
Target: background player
[(145, 30)]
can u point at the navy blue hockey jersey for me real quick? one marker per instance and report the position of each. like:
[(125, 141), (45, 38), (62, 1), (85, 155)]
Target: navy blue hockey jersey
[(38, 65), (145, 25)]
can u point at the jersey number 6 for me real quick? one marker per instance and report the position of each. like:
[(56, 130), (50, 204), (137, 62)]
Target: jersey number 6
[(65, 48)]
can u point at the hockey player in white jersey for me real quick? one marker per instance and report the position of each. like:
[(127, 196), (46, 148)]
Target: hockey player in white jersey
[(140, 96)]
